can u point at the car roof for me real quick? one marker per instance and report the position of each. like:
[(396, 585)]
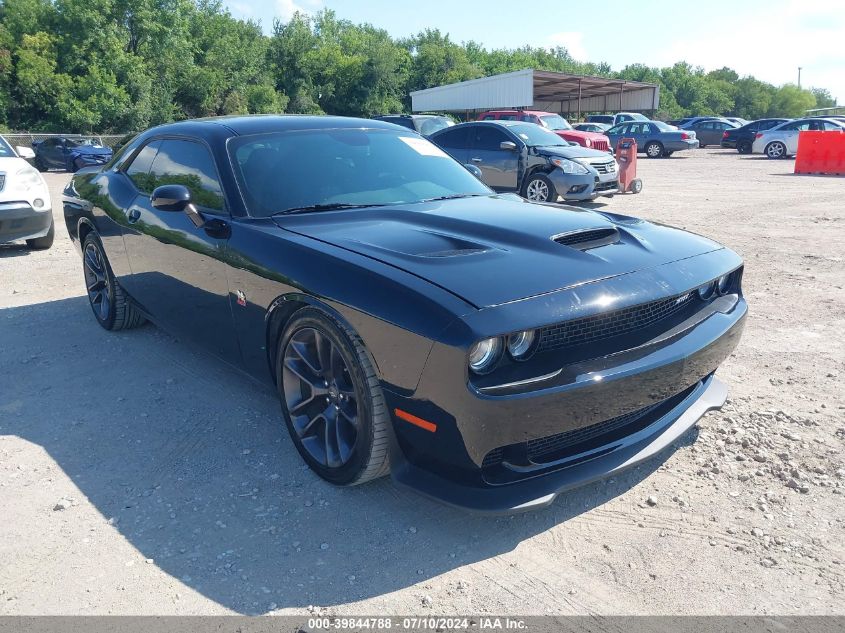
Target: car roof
[(264, 123)]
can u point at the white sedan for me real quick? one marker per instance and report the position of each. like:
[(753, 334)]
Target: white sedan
[(25, 208), (782, 140)]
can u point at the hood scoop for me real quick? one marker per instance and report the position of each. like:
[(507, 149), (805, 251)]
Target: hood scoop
[(588, 238)]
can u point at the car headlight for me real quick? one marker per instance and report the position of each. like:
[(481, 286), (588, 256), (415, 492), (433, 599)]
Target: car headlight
[(521, 345), (588, 142), (27, 178), (570, 166), (484, 355), (723, 284), (707, 290)]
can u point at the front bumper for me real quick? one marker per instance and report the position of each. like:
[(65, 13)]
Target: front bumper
[(541, 491), (585, 186), (20, 221)]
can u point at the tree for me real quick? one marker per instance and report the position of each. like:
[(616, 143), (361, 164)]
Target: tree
[(791, 101), (823, 98)]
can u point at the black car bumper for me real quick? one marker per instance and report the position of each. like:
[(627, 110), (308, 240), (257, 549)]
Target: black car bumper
[(507, 444), (728, 143), (19, 221), (540, 491)]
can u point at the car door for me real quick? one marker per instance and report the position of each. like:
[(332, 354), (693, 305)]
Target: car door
[(639, 131), (617, 132), (51, 152), (178, 274), (455, 142), (499, 167), (789, 134)]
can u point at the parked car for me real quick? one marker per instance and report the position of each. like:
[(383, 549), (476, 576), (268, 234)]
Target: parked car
[(616, 119), (742, 138), (682, 123), (736, 119), (654, 138), (781, 141), (599, 128), (529, 160), (487, 351), (25, 207), (710, 131), (70, 153), (425, 124), (553, 122)]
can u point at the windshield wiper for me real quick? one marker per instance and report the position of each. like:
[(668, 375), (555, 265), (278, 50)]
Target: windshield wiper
[(454, 196), (333, 206)]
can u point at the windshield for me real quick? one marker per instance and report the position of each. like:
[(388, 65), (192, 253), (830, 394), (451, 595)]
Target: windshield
[(536, 136), (555, 122), (77, 142), (301, 169), (430, 125), (5, 149)]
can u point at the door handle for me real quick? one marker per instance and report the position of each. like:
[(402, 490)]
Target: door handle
[(134, 215), (476, 160)]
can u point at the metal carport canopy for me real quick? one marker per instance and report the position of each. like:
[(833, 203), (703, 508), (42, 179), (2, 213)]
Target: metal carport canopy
[(542, 90)]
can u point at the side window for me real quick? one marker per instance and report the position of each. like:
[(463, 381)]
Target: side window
[(187, 163), (488, 138), (453, 139), (619, 129), (639, 128), (529, 118), (831, 127), (139, 169), (508, 117), (488, 117)]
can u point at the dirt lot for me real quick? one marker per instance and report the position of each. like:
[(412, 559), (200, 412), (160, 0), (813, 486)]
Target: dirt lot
[(138, 476)]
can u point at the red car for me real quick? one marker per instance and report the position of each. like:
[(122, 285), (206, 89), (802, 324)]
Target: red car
[(553, 122)]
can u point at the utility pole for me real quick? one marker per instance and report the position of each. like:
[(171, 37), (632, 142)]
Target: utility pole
[(799, 76)]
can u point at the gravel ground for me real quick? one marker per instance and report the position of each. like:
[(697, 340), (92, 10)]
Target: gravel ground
[(138, 476)]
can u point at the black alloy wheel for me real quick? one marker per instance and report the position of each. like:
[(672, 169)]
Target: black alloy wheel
[(112, 308), (332, 401)]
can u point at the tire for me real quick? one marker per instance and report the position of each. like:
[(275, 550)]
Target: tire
[(667, 154), (701, 145), (654, 149), (111, 306), (325, 380), (43, 243), (744, 147), (775, 150), (538, 188)]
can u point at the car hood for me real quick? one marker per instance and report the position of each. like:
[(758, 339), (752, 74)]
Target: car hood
[(492, 250), (568, 151), (593, 136)]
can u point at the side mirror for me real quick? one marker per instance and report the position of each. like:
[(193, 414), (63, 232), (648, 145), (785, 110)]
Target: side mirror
[(475, 171), (171, 198), (508, 146), (25, 152)]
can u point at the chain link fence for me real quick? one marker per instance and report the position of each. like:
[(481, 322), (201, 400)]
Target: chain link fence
[(25, 139)]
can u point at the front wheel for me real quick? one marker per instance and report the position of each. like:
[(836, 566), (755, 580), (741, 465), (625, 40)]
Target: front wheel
[(539, 188), (654, 149), (776, 150), (332, 400), (112, 308)]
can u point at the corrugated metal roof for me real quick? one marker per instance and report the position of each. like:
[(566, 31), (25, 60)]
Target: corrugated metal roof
[(558, 92)]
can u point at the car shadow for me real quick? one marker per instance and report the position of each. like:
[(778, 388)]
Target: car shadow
[(191, 463), (13, 249)]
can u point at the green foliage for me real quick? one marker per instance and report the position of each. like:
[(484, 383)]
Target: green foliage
[(123, 65)]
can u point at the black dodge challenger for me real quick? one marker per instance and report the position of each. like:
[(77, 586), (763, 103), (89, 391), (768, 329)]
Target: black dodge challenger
[(486, 351)]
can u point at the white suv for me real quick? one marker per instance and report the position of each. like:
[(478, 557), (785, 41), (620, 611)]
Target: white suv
[(25, 209)]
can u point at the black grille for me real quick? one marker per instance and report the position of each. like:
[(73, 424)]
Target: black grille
[(561, 445), (590, 235), (609, 324), (2, 181)]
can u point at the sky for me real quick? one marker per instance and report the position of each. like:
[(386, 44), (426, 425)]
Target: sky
[(766, 39)]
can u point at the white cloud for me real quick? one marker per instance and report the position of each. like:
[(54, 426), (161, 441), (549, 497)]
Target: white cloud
[(806, 33), (573, 41), (286, 8)]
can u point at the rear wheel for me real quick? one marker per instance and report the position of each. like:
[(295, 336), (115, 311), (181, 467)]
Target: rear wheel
[(538, 188), (776, 150), (744, 147), (112, 308), (654, 149), (43, 243), (332, 400)]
